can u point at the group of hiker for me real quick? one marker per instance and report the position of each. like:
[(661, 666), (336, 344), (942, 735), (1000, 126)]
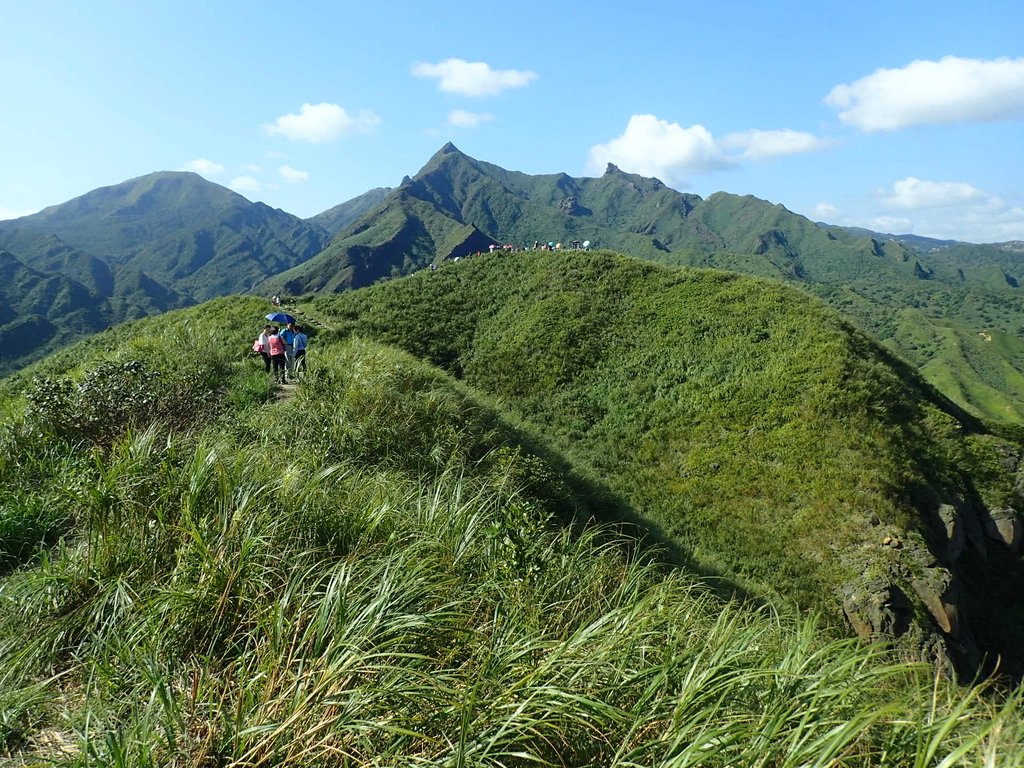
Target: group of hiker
[(575, 245), (283, 351)]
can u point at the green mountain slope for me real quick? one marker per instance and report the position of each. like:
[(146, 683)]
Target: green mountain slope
[(340, 216), (39, 312), (195, 237), (769, 440), (383, 566), (155, 243), (457, 205)]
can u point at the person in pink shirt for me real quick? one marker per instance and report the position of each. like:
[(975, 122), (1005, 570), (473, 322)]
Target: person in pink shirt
[(276, 347)]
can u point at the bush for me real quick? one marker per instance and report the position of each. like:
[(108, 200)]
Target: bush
[(113, 398)]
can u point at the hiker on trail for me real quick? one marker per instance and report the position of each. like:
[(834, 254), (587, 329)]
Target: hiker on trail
[(276, 347), (287, 336), (261, 345), (299, 344)]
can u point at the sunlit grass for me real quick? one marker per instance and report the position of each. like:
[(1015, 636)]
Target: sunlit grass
[(376, 573)]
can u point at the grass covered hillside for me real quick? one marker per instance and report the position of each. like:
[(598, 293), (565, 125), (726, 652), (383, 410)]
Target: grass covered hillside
[(769, 441), (954, 311), (384, 568), (159, 242)]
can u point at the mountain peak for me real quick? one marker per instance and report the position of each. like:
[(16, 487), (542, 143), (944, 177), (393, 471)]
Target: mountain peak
[(449, 149), (611, 168), (445, 156)]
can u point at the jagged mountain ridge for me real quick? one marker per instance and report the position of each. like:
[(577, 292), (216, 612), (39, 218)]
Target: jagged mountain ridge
[(955, 312), (169, 239), (620, 211)]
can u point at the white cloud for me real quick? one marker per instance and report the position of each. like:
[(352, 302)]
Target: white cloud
[(950, 90), (653, 147), (987, 226), (460, 118), (892, 225), (320, 123), (668, 151), (291, 175), (944, 210), (760, 145), (825, 212), (245, 184), (941, 209), (473, 78), (203, 167), (914, 194)]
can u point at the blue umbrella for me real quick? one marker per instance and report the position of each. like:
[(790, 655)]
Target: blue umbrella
[(280, 317)]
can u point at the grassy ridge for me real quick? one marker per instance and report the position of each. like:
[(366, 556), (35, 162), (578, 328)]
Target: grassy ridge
[(376, 573), (775, 443)]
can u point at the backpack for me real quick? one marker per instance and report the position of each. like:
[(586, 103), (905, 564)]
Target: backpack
[(257, 346)]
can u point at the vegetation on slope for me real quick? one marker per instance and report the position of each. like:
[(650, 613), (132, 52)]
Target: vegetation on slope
[(138, 248), (937, 309), (376, 572), (774, 443), (166, 240)]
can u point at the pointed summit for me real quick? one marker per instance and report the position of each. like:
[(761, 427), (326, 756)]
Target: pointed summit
[(447, 154), (612, 168), (445, 151)]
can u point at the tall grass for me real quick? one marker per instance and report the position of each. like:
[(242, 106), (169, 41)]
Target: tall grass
[(372, 575), (769, 441)]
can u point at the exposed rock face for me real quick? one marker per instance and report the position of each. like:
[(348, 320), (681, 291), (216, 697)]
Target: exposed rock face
[(878, 611), (1004, 526), (938, 592), (954, 527), (917, 602), (571, 206)]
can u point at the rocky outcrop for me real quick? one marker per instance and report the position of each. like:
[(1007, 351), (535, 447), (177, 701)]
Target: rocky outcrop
[(570, 206), (878, 611), (938, 592), (916, 601), (1004, 526), (952, 528)]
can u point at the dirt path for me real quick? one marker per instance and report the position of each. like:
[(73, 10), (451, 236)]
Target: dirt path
[(284, 393)]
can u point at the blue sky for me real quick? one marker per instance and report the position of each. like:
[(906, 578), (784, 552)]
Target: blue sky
[(904, 117)]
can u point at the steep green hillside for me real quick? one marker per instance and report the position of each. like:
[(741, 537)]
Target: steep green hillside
[(457, 205), (335, 219), (152, 219), (190, 236), (770, 440), (145, 246), (402, 235), (40, 312), (379, 569)]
